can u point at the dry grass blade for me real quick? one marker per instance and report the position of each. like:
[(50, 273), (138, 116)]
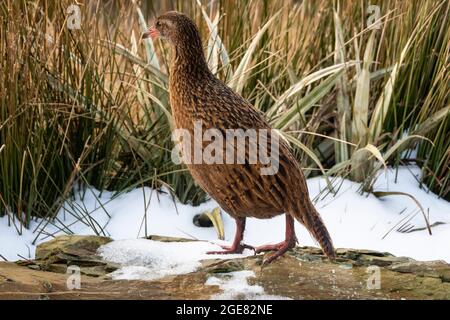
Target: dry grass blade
[(342, 100), (149, 46), (217, 40), (121, 50), (431, 122), (302, 84), (213, 49), (292, 115), (381, 194), (361, 104), (216, 219)]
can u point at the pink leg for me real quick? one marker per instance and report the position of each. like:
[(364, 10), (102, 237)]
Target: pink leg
[(282, 247), (237, 246)]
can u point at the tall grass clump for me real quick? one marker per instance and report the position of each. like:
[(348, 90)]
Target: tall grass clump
[(72, 111), (89, 107)]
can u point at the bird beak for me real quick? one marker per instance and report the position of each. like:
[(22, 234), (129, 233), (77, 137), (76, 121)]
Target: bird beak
[(151, 33)]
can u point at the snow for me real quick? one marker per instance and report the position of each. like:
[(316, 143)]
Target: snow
[(235, 286), (12, 245), (354, 220), (149, 260)]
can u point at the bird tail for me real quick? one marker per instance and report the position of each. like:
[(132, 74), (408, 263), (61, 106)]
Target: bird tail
[(310, 218)]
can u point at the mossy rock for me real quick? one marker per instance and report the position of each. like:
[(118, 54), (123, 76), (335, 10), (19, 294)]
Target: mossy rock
[(74, 245), (57, 254)]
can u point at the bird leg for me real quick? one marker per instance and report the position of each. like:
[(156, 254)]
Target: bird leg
[(237, 246), (282, 247)]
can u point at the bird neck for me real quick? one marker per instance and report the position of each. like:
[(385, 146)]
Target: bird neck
[(188, 58)]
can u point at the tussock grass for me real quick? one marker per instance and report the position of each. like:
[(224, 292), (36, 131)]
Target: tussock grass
[(90, 106)]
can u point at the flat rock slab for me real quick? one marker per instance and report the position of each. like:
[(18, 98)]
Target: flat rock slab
[(304, 273), (18, 282)]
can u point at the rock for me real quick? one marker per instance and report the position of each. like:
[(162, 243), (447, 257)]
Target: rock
[(223, 266), (202, 220), (30, 284), (433, 269), (168, 239), (57, 254), (303, 273), (73, 245)]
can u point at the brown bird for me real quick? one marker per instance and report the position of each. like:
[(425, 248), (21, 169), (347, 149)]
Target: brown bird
[(239, 188)]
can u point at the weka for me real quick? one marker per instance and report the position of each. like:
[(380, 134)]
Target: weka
[(240, 189)]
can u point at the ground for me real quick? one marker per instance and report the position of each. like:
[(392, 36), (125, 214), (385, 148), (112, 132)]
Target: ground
[(304, 273)]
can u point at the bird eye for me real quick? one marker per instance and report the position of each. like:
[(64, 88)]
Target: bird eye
[(158, 24)]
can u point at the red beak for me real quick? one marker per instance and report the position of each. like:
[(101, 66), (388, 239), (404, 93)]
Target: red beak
[(151, 33)]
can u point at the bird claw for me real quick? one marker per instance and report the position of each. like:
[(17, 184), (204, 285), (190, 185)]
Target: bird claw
[(279, 248)]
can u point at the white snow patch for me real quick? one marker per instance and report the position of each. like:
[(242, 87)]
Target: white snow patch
[(12, 245), (235, 286), (150, 260)]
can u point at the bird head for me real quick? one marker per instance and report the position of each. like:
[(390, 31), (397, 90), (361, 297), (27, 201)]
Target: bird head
[(172, 26), (182, 33)]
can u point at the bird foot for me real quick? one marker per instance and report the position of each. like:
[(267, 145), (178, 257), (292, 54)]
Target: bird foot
[(234, 249), (279, 248)]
